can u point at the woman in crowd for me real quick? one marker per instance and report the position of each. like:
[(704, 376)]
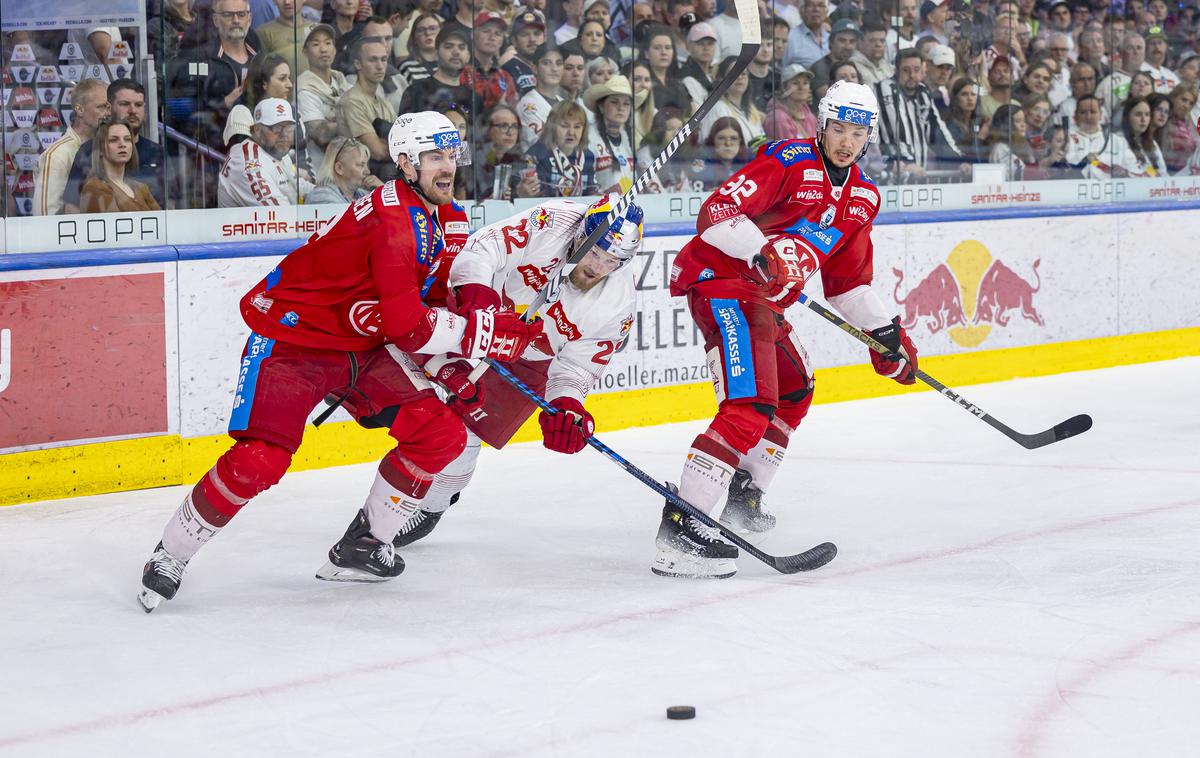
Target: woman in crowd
[(320, 87), (736, 103), (535, 104), (107, 189), (684, 172), (1180, 139), (1052, 163), (966, 121), (422, 49), (562, 166), (344, 176), (1141, 86), (660, 55), (269, 75), (1134, 152), (592, 42), (1160, 113), (789, 114), (644, 109), (1037, 121), (1008, 144), (725, 152), (600, 70), (845, 71), (501, 147), (610, 136), (1035, 81)]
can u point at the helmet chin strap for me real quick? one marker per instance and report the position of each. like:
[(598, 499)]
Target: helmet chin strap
[(414, 184), (837, 174)]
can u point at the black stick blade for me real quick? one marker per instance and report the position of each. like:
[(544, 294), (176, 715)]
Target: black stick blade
[(1072, 426), (813, 558)]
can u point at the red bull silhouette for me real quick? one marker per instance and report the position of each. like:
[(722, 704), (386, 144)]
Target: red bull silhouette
[(935, 298), (1001, 290)]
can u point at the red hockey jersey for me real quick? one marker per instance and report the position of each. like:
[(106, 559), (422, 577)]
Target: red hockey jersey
[(785, 190), (369, 276)]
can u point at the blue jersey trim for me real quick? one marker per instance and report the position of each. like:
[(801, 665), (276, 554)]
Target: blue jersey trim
[(737, 352), (258, 349)]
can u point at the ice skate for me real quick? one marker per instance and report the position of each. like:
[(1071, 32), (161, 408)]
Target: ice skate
[(359, 557), (160, 578), (417, 527), (688, 548), (744, 512)]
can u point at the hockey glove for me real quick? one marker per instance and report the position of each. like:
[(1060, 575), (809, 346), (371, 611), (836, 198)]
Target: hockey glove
[(455, 377), (476, 297), (566, 430), (901, 362), (778, 268), (501, 335)]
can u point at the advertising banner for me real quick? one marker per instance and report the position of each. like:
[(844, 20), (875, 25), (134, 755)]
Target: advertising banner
[(82, 359)]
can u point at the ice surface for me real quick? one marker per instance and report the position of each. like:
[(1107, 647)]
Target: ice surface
[(987, 601)]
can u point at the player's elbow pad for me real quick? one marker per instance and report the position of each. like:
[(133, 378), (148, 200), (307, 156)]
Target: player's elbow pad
[(440, 331), (737, 237), (862, 307)]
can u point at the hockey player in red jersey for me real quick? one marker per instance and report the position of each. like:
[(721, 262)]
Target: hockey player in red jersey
[(798, 206), (333, 317)]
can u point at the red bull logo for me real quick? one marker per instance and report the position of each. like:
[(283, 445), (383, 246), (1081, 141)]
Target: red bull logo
[(967, 294)]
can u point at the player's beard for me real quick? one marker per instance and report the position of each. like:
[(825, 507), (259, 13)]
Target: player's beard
[(439, 189)]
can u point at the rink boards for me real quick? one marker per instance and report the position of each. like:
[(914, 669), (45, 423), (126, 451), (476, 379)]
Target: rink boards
[(117, 377)]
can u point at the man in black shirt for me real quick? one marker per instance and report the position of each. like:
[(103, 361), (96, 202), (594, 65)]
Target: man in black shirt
[(528, 31), (443, 89)]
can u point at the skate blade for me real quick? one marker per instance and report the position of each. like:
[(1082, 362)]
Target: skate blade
[(331, 573), (682, 566), (149, 599)]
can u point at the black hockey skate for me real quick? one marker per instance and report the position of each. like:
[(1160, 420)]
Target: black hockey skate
[(359, 557), (160, 578), (688, 548), (744, 511), (420, 525)]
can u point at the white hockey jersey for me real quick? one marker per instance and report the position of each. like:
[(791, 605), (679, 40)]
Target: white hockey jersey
[(252, 176), (583, 330)]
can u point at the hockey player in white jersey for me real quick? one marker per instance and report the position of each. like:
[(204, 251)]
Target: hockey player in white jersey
[(504, 265)]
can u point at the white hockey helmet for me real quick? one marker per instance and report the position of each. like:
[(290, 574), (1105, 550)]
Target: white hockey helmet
[(415, 133), (853, 103), (624, 237)]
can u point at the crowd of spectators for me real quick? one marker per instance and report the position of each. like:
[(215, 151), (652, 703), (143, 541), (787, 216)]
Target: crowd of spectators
[(286, 101)]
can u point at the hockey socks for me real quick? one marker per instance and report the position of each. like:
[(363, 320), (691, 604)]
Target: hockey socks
[(764, 460), (707, 473), (206, 509), (396, 494)]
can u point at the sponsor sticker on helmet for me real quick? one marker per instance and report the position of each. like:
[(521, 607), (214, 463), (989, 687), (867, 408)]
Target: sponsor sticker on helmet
[(853, 115), (443, 140)]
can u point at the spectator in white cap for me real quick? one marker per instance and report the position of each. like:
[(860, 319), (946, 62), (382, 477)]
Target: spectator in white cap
[(938, 73), (701, 64), (259, 170), (789, 114), (871, 56)]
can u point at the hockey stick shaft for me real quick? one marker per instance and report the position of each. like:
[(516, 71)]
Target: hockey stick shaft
[(810, 559), (1069, 428), (751, 41)]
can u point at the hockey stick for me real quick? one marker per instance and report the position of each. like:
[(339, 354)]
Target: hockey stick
[(1069, 428), (751, 40), (813, 558)]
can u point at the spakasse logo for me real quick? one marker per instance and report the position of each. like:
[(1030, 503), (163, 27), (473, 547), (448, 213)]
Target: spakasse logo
[(968, 293)]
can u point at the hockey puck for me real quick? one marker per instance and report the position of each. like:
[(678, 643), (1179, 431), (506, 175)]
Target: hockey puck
[(681, 712)]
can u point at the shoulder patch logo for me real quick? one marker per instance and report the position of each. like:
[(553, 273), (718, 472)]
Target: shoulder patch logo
[(795, 152), (869, 195), (420, 224)]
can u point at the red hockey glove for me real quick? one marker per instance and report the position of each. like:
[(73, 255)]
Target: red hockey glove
[(777, 267), (455, 376), (501, 335), (567, 430), (476, 297), (895, 364)]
